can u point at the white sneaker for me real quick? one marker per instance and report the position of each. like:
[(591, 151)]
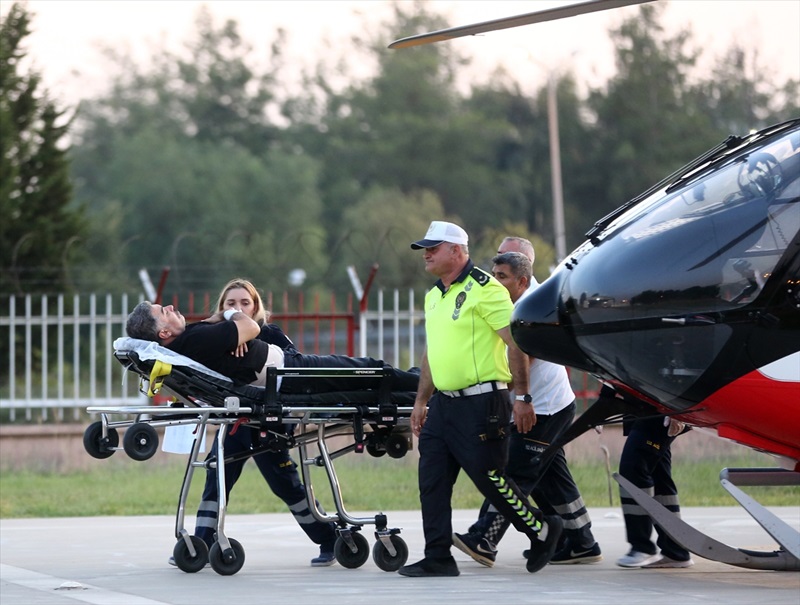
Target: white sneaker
[(665, 562), (636, 559), (172, 562)]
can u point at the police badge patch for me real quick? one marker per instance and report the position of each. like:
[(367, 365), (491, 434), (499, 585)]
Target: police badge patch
[(462, 296)]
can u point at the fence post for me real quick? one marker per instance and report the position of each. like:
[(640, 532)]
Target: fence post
[(44, 354)]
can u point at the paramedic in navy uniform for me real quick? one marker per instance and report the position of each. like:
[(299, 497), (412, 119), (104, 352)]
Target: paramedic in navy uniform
[(462, 406), (276, 465)]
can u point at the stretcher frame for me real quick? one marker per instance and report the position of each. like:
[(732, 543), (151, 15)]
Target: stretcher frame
[(376, 418)]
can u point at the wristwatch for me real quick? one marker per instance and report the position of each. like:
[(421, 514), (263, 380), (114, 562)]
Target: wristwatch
[(526, 398)]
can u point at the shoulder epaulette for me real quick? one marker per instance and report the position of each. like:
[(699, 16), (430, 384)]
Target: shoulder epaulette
[(480, 276)]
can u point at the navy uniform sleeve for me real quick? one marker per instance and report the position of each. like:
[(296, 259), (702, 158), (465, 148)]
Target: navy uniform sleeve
[(273, 335)]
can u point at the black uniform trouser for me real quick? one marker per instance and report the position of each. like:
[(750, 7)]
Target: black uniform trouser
[(280, 473), (552, 487), (456, 435), (400, 380), (646, 462)]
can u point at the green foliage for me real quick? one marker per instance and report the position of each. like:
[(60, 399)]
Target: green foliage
[(206, 210), (379, 229), (38, 227), (741, 94), (376, 484), (647, 123), (651, 118), (190, 176)]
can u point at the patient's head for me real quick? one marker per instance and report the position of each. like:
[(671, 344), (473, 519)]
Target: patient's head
[(241, 294), (161, 324)]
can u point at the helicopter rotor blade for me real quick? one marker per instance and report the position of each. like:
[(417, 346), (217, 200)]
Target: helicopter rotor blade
[(552, 14)]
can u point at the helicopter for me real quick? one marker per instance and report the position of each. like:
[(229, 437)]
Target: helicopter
[(686, 299)]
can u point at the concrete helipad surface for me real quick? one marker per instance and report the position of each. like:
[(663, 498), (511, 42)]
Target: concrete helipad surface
[(123, 561)]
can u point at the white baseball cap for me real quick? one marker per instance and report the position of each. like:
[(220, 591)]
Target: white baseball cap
[(439, 232)]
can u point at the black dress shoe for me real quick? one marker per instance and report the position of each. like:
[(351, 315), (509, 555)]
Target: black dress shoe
[(431, 568), (543, 550)]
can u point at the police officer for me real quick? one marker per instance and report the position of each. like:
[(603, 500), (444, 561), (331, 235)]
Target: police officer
[(463, 423), (553, 488)]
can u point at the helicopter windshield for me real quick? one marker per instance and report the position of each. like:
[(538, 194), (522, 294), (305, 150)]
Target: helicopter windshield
[(724, 233)]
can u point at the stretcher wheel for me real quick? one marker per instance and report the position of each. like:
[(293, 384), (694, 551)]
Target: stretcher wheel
[(375, 450), (397, 445), (384, 560), (229, 562), (183, 558), (94, 443), (344, 554), (140, 441)]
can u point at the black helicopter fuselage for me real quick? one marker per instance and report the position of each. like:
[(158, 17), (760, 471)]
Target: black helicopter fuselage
[(689, 296)]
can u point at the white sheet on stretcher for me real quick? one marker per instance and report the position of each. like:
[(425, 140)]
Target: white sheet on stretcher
[(148, 350)]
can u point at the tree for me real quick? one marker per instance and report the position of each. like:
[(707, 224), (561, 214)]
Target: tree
[(648, 122), (522, 158), (380, 228), (741, 94), (405, 128), (183, 167), (655, 115), (39, 226), (213, 91), (206, 210)]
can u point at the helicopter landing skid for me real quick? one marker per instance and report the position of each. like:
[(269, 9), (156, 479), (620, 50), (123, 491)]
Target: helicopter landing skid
[(702, 545)]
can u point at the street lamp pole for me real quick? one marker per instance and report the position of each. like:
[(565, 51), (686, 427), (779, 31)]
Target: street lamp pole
[(555, 169)]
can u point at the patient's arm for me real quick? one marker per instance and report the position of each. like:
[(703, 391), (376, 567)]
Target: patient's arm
[(246, 327)]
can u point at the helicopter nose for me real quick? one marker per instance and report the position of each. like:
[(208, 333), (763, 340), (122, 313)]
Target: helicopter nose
[(540, 326)]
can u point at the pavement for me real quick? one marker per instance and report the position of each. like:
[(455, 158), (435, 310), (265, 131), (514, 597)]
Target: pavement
[(123, 561)]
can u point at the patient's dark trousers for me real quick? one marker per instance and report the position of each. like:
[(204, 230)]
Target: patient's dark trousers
[(456, 435), (280, 472), (400, 380)]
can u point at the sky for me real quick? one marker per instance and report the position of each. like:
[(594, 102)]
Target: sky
[(67, 35)]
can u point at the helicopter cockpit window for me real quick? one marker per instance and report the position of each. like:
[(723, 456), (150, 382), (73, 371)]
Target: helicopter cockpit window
[(725, 233)]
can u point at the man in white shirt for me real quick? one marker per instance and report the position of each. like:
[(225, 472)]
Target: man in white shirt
[(553, 400)]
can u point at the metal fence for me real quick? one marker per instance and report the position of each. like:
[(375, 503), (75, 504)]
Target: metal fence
[(58, 357), (56, 352)]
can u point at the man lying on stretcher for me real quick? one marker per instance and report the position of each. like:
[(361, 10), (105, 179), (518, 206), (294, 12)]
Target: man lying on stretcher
[(214, 342)]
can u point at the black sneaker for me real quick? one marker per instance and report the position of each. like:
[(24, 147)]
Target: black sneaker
[(430, 568), (543, 550), (570, 556), (477, 547)]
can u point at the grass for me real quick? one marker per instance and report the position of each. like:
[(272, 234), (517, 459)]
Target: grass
[(120, 486)]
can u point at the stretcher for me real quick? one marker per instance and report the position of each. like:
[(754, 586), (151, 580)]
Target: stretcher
[(375, 420)]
